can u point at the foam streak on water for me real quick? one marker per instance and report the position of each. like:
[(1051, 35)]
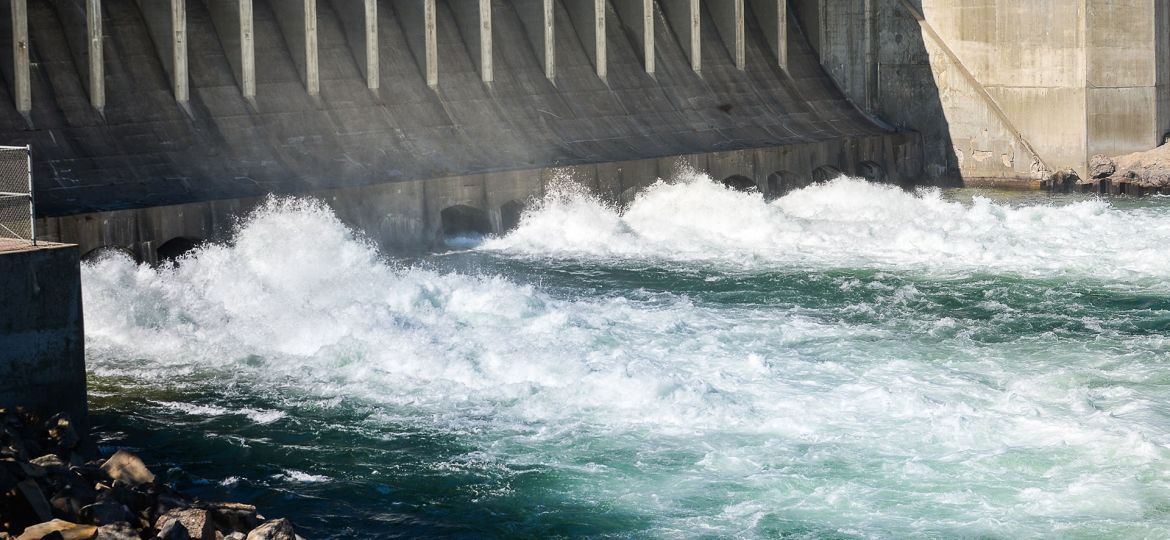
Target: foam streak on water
[(850, 360)]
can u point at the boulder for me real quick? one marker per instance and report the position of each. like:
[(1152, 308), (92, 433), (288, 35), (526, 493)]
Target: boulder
[(117, 531), (35, 498), (173, 530), (276, 529), (128, 468), (232, 536), (60, 431), (107, 512), (233, 517), (65, 529), (197, 521), (1100, 166)]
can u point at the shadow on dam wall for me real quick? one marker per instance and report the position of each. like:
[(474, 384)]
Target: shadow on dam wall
[(876, 53), (217, 153)]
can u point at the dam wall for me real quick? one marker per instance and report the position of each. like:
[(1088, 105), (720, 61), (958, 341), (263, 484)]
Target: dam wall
[(414, 215), (1003, 92), (276, 96)]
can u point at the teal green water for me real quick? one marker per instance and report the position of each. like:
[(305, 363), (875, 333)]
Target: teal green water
[(850, 361)]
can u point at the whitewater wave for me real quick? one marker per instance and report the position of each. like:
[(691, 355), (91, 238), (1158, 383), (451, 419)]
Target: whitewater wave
[(298, 309), (844, 223)]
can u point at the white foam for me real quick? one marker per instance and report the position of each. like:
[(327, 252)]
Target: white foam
[(298, 307), (846, 223)]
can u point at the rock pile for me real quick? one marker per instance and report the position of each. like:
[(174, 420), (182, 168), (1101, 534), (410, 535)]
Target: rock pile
[(50, 490)]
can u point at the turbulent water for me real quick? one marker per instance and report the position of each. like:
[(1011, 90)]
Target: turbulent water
[(848, 361)]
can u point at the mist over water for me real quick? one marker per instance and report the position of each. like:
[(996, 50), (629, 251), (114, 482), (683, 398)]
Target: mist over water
[(848, 361)]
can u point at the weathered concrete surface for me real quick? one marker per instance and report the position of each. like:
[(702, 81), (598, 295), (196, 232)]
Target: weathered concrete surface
[(432, 117), (1003, 90), (42, 344), (407, 216)]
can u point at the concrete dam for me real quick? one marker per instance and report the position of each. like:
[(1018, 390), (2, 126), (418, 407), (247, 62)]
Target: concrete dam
[(154, 122)]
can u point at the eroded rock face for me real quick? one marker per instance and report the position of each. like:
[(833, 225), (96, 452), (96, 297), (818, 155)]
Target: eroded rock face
[(1100, 166)]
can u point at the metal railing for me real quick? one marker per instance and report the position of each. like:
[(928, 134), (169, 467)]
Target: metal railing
[(17, 204)]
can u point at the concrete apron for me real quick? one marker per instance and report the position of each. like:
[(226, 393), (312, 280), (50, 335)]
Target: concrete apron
[(407, 216)]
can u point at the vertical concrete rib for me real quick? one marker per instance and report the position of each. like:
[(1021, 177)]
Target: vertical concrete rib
[(485, 40), (638, 15), (773, 18), (97, 69), (729, 21), (312, 72), (683, 16), (432, 43), (247, 50), (537, 16), (373, 66), (179, 50), (22, 87), (588, 17)]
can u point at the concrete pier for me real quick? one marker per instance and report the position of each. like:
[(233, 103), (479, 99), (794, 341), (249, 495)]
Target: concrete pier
[(772, 16), (684, 18), (235, 26), (638, 15), (42, 340), (20, 86), (728, 16), (97, 70), (588, 17)]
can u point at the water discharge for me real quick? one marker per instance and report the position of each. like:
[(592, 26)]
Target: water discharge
[(848, 361)]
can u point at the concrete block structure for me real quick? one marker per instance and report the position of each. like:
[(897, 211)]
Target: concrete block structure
[(42, 343), (1003, 91)]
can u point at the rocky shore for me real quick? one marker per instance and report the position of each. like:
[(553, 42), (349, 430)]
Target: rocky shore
[(1140, 173), (52, 488)]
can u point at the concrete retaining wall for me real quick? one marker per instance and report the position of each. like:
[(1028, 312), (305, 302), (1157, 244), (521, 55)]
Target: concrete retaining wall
[(1004, 90), (407, 216), (42, 344)]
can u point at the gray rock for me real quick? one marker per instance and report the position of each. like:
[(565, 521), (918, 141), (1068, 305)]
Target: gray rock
[(173, 530), (276, 529), (231, 517), (236, 536), (117, 531), (1100, 166), (128, 468), (107, 512), (35, 498), (197, 521)]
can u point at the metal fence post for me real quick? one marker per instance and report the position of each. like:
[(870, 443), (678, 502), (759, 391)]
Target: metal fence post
[(32, 198)]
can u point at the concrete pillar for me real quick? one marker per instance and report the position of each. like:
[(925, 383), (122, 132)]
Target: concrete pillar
[(233, 23), (588, 17), (21, 86), (97, 70), (773, 18), (179, 78), (373, 65), (683, 16), (167, 23), (417, 18), (728, 16), (360, 20), (298, 23), (638, 16), (312, 71), (477, 32), (538, 17)]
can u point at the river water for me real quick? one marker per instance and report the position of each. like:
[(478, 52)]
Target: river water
[(849, 361)]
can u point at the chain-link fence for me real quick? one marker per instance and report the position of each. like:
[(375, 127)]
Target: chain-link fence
[(17, 214)]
